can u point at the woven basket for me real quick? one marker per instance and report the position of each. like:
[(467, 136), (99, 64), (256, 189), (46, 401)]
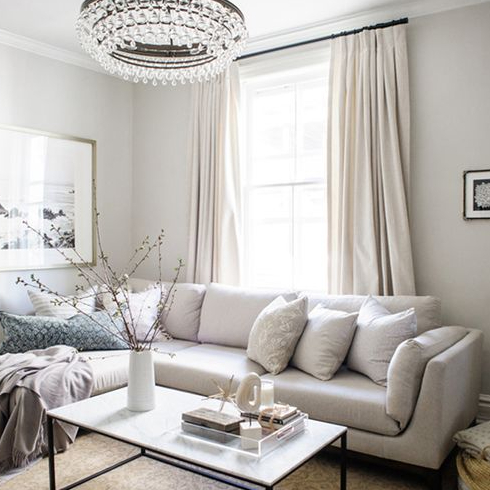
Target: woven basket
[(474, 472)]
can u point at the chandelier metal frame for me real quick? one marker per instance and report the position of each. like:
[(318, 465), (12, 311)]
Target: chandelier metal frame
[(166, 41)]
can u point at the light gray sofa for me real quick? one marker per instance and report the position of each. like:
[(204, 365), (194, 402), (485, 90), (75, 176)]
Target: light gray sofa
[(211, 325)]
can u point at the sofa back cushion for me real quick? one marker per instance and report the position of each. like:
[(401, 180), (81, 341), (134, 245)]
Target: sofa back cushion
[(182, 322), (228, 313), (427, 308)]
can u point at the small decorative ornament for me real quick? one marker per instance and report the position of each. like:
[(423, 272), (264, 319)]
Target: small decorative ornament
[(162, 41), (248, 395), (476, 194), (250, 433), (224, 394)]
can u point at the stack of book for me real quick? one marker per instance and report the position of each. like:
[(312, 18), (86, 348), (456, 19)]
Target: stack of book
[(198, 422), (283, 415)]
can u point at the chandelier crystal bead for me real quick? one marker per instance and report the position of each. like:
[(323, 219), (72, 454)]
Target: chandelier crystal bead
[(162, 41)]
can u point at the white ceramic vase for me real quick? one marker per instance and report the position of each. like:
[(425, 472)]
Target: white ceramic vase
[(141, 381)]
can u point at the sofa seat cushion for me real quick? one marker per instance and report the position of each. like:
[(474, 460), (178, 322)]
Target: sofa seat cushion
[(110, 368), (349, 399), (195, 369)]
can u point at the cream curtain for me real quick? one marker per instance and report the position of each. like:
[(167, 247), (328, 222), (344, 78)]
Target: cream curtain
[(215, 193), (369, 245)]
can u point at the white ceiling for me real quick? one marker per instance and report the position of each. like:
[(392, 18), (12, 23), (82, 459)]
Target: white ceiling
[(52, 21)]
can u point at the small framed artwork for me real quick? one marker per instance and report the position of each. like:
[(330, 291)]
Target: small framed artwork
[(476, 194), (46, 185)]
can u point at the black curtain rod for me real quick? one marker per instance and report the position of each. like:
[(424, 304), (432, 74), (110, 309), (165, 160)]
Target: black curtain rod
[(326, 38)]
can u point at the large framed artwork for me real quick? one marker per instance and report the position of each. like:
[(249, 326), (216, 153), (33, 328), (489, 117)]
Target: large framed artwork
[(46, 182), (476, 194)]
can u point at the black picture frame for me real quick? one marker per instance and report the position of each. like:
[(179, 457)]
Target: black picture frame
[(476, 192)]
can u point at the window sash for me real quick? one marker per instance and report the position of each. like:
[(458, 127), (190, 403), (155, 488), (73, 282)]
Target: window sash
[(294, 185)]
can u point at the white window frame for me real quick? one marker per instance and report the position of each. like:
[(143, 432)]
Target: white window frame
[(282, 72)]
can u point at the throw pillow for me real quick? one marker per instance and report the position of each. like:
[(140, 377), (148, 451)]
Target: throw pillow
[(24, 333), (45, 304), (378, 334), (322, 348), (276, 332), (105, 300), (407, 369), (142, 308)]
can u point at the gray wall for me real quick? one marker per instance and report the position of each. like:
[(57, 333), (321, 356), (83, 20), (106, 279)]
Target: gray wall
[(161, 172), (450, 90), (41, 93)]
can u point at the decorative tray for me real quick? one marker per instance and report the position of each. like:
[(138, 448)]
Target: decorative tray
[(243, 445)]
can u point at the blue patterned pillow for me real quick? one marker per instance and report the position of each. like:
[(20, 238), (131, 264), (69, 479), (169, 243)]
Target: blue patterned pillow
[(24, 333)]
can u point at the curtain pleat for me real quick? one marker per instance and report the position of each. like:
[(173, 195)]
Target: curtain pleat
[(369, 248), (215, 191)]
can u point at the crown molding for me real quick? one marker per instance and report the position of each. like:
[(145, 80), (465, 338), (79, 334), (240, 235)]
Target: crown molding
[(410, 9), (49, 51)]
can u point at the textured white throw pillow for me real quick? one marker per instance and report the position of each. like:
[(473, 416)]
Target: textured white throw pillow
[(44, 306), (142, 308), (105, 300), (378, 334), (275, 333), (407, 369), (322, 348)]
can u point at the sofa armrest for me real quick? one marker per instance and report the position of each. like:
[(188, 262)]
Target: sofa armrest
[(448, 399)]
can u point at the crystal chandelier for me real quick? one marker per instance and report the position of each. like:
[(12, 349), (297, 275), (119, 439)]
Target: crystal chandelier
[(162, 41)]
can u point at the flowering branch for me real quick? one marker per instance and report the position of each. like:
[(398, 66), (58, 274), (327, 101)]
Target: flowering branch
[(106, 281)]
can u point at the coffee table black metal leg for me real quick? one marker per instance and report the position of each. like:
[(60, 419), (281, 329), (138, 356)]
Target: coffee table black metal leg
[(52, 476), (343, 461)]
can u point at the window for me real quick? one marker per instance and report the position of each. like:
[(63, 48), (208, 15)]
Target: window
[(284, 169)]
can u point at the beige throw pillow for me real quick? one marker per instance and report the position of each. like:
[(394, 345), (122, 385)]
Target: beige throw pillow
[(275, 333), (378, 334), (407, 369), (325, 342)]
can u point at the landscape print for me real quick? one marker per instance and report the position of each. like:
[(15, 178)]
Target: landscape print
[(46, 199), (50, 205)]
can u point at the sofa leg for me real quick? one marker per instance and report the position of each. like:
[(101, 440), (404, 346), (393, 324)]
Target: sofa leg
[(435, 479)]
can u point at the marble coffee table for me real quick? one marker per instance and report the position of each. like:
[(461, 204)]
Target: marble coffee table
[(157, 436)]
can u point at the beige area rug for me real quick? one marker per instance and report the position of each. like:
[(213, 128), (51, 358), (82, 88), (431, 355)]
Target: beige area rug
[(92, 452)]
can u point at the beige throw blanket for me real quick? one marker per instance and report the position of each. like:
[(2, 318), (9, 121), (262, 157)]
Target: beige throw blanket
[(30, 384), (475, 441)]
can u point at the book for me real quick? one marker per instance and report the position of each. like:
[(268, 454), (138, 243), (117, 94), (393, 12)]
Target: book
[(282, 417), (294, 425), (213, 419), (205, 433)]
